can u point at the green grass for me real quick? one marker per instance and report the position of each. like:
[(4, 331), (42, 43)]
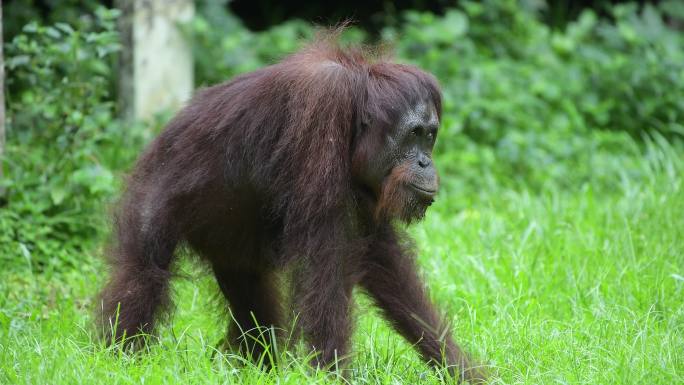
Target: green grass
[(555, 286)]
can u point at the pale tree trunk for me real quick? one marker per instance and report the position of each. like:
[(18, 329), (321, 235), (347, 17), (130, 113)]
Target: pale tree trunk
[(155, 72)]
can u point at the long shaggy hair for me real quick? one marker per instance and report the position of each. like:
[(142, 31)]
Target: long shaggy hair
[(260, 172)]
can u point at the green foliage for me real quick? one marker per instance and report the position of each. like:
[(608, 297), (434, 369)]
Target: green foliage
[(63, 142), (19, 13), (225, 48), (536, 106)]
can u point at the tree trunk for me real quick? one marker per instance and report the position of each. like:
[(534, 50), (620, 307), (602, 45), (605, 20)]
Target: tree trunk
[(156, 66)]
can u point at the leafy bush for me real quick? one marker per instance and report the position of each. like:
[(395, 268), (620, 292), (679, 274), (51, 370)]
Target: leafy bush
[(224, 47), (63, 141), (537, 106)]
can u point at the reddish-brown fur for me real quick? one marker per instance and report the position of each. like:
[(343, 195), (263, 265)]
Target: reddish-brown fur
[(257, 174)]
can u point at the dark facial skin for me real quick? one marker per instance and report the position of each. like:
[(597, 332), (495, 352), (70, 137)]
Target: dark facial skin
[(405, 161), (413, 141)]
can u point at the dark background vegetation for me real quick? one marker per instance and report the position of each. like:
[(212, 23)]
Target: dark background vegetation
[(259, 15)]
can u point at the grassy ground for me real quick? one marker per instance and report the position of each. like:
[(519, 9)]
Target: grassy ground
[(549, 287)]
